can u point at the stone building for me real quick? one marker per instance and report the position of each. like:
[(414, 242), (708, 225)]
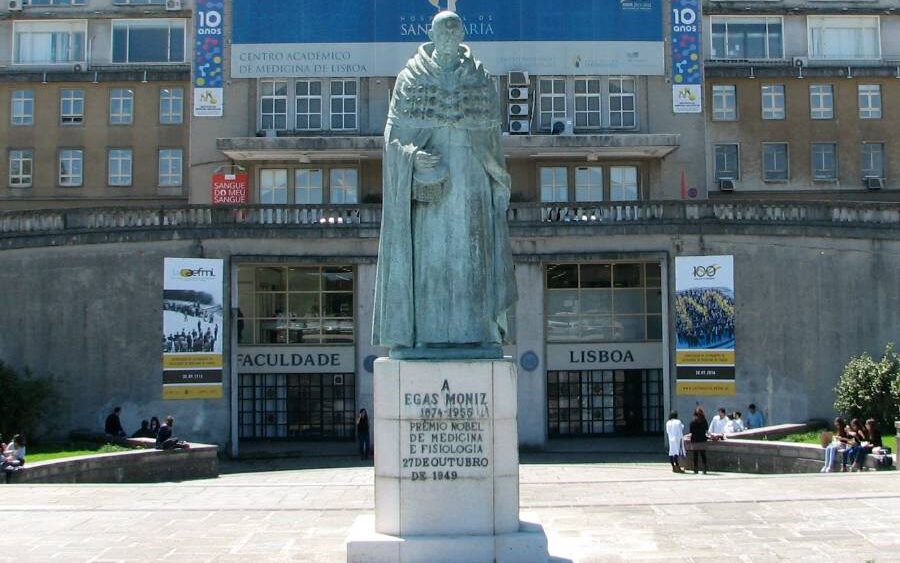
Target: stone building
[(93, 110)]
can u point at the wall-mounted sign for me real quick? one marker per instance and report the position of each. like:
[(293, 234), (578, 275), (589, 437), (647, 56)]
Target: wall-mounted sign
[(192, 328), (704, 325), (687, 76), (297, 38), (209, 58), (296, 359), (612, 355), (230, 189)]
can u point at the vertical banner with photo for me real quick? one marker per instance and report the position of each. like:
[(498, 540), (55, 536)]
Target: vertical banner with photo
[(687, 76), (209, 58), (192, 328), (704, 325)]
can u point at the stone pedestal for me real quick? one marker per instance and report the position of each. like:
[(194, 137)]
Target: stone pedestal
[(446, 467)]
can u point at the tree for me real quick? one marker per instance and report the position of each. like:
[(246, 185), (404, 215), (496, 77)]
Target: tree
[(870, 389), (24, 400)]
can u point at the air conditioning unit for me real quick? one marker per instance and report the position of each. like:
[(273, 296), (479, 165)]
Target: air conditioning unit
[(16, 5), (562, 126), (873, 182), (726, 184), (338, 379), (519, 126), (799, 61), (77, 67), (517, 78), (518, 93), (518, 110), (174, 5)]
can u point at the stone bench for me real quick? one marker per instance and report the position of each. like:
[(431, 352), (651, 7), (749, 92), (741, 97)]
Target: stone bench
[(200, 461)]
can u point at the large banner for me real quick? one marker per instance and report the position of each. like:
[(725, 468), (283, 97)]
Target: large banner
[(704, 325), (209, 58), (296, 38), (192, 328), (687, 76)]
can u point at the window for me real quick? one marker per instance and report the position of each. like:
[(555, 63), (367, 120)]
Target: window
[(773, 101), (551, 101), (119, 167), (727, 161), (308, 105), (121, 106), (554, 183), (148, 41), (71, 106), (171, 106), (589, 183), (844, 37), (623, 183), (22, 111), (587, 103), (869, 101), (56, 2), (273, 185), (21, 167), (343, 104), (622, 113), (273, 105), (139, 2), (293, 305), (737, 37), (775, 162), (824, 161), (308, 186), (605, 302), (49, 42), (170, 164), (821, 101), (872, 160), (71, 167), (343, 185), (724, 102)]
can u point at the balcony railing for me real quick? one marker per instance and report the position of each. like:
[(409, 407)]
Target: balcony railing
[(805, 213)]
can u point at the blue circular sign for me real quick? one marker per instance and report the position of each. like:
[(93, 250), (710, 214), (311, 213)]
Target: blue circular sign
[(529, 361), (369, 363)]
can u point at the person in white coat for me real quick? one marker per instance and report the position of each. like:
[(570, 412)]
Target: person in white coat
[(675, 435)]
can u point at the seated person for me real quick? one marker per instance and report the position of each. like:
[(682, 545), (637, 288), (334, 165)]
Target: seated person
[(113, 425), (838, 444), (718, 424), (735, 424), (14, 453), (165, 440), (144, 431), (856, 438)]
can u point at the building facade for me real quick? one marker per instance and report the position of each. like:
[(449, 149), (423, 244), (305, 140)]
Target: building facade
[(94, 110)]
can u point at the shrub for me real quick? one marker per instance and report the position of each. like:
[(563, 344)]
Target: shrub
[(24, 400), (869, 388)]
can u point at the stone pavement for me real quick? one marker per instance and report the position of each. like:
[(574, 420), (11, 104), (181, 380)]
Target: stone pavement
[(290, 510)]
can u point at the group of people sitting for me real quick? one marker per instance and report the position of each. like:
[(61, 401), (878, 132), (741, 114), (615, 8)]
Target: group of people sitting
[(13, 457), (162, 433), (853, 443)]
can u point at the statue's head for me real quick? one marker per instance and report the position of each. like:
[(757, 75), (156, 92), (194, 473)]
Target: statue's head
[(446, 33)]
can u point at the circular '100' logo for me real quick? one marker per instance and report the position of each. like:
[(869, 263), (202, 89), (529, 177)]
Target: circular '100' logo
[(706, 272)]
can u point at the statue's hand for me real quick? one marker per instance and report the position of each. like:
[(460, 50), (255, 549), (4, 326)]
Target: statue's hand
[(425, 161)]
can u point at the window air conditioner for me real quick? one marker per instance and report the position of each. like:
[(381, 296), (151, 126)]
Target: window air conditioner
[(517, 78), (518, 93), (726, 184), (77, 67), (519, 126), (173, 5), (518, 110), (15, 5), (562, 126), (873, 182)]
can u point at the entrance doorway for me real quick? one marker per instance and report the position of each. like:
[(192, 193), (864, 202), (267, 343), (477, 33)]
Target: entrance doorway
[(604, 402)]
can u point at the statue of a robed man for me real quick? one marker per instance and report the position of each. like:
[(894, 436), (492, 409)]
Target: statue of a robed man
[(445, 274)]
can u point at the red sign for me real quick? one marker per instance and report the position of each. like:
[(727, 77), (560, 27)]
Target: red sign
[(230, 189)]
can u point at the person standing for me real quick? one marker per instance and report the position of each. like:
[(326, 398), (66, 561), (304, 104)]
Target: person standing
[(113, 426), (718, 424), (755, 418), (675, 435), (362, 433), (698, 438)]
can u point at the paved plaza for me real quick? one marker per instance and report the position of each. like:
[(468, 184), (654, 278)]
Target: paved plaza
[(297, 510)]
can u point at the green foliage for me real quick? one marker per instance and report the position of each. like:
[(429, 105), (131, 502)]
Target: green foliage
[(24, 400), (870, 388), (43, 452)]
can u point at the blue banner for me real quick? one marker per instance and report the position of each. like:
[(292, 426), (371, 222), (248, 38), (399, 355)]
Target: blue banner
[(382, 21), (687, 74), (209, 58)]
